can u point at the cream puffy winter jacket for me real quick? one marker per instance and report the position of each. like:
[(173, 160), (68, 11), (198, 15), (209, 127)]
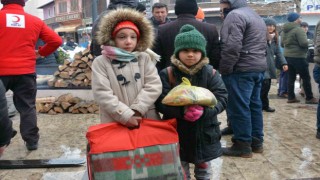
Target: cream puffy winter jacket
[(121, 87)]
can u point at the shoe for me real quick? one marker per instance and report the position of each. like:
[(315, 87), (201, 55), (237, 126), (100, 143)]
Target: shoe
[(269, 109), (318, 135), (14, 133), (293, 100), (226, 131), (257, 145), (284, 95), (238, 149), (312, 101), (32, 146)]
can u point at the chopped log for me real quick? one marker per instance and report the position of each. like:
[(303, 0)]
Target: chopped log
[(65, 98), (39, 107), (57, 103), (77, 56), (70, 109), (46, 100), (90, 56), (75, 63), (47, 107), (74, 100), (56, 73), (64, 75), (78, 71), (51, 82), (83, 65), (52, 112), (90, 109), (85, 59), (88, 75), (95, 107), (86, 82), (65, 105), (75, 111), (58, 109), (85, 52), (62, 67), (97, 112), (61, 83), (66, 62), (76, 82), (80, 76), (90, 64), (83, 110)]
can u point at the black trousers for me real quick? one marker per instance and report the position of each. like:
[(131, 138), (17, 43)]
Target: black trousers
[(298, 66), (5, 122), (266, 84), (24, 88)]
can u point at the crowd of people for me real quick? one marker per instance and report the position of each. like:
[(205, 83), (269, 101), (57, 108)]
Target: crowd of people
[(129, 80)]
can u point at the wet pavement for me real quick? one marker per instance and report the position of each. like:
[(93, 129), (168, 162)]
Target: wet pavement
[(291, 150)]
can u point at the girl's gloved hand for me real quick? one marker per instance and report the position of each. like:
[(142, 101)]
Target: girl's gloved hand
[(193, 112)]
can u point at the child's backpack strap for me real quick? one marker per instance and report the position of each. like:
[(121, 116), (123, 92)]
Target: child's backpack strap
[(172, 79)]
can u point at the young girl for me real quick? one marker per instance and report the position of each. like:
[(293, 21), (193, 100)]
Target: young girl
[(199, 132), (274, 56), (125, 81)]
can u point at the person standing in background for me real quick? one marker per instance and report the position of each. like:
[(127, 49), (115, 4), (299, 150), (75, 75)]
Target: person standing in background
[(316, 71), (243, 62), (159, 16), (19, 32)]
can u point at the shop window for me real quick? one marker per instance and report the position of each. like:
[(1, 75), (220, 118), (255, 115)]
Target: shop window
[(62, 7), (74, 5)]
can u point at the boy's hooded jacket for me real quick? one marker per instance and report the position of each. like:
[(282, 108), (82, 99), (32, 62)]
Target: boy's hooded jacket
[(199, 140), (120, 87)]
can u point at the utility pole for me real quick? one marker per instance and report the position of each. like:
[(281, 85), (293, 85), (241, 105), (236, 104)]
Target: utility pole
[(94, 10)]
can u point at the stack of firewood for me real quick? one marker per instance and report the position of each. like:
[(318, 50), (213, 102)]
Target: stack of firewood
[(74, 74), (66, 104)]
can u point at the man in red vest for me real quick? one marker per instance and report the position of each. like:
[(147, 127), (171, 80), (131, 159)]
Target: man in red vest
[(19, 32)]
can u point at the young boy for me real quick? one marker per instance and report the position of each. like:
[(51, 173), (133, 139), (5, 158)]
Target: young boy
[(199, 134)]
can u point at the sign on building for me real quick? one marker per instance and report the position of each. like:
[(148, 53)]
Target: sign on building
[(310, 6)]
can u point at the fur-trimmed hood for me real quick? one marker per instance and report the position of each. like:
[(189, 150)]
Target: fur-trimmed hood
[(110, 20), (192, 70)]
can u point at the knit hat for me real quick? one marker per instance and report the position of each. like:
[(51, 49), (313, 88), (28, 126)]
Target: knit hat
[(189, 38), (20, 2), (293, 16), (186, 7), (270, 21), (200, 14), (141, 7), (123, 25), (304, 24)]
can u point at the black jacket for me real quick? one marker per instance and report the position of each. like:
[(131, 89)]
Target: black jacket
[(164, 45), (199, 140)]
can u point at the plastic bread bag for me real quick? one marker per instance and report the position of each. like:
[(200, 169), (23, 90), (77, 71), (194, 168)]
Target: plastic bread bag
[(185, 94)]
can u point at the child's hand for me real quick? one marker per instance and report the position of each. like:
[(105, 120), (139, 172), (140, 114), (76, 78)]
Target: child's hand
[(193, 113), (133, 122)]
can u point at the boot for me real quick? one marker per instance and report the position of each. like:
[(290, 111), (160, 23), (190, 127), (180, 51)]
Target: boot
[(257, 145), (226, 131), (238, 149)]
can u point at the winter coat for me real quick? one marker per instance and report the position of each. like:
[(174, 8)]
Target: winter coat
[(164, 45), (317, 44), (156, 24), (114, 4), (274, 58), (243, 40), (199, 140), (116, 98), (18, 40), (294, 40)]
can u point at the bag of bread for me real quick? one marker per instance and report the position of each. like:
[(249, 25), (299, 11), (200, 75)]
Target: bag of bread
[(185, 94)]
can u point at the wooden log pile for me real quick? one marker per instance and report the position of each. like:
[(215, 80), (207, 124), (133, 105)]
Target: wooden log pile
[(74, 74), (66, 104)]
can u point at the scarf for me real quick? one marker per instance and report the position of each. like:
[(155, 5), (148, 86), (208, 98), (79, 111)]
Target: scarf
[(115, 53)]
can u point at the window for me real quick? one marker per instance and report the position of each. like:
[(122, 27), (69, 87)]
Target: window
[(63, 7), (74, 5)]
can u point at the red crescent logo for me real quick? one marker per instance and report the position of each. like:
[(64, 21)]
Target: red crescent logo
[(17, 17)]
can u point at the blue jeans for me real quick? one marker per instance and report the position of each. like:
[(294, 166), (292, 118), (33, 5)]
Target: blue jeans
[(283, 83), (244, 108)]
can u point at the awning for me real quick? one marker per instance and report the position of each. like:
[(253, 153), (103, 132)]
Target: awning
[(69, 28)]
